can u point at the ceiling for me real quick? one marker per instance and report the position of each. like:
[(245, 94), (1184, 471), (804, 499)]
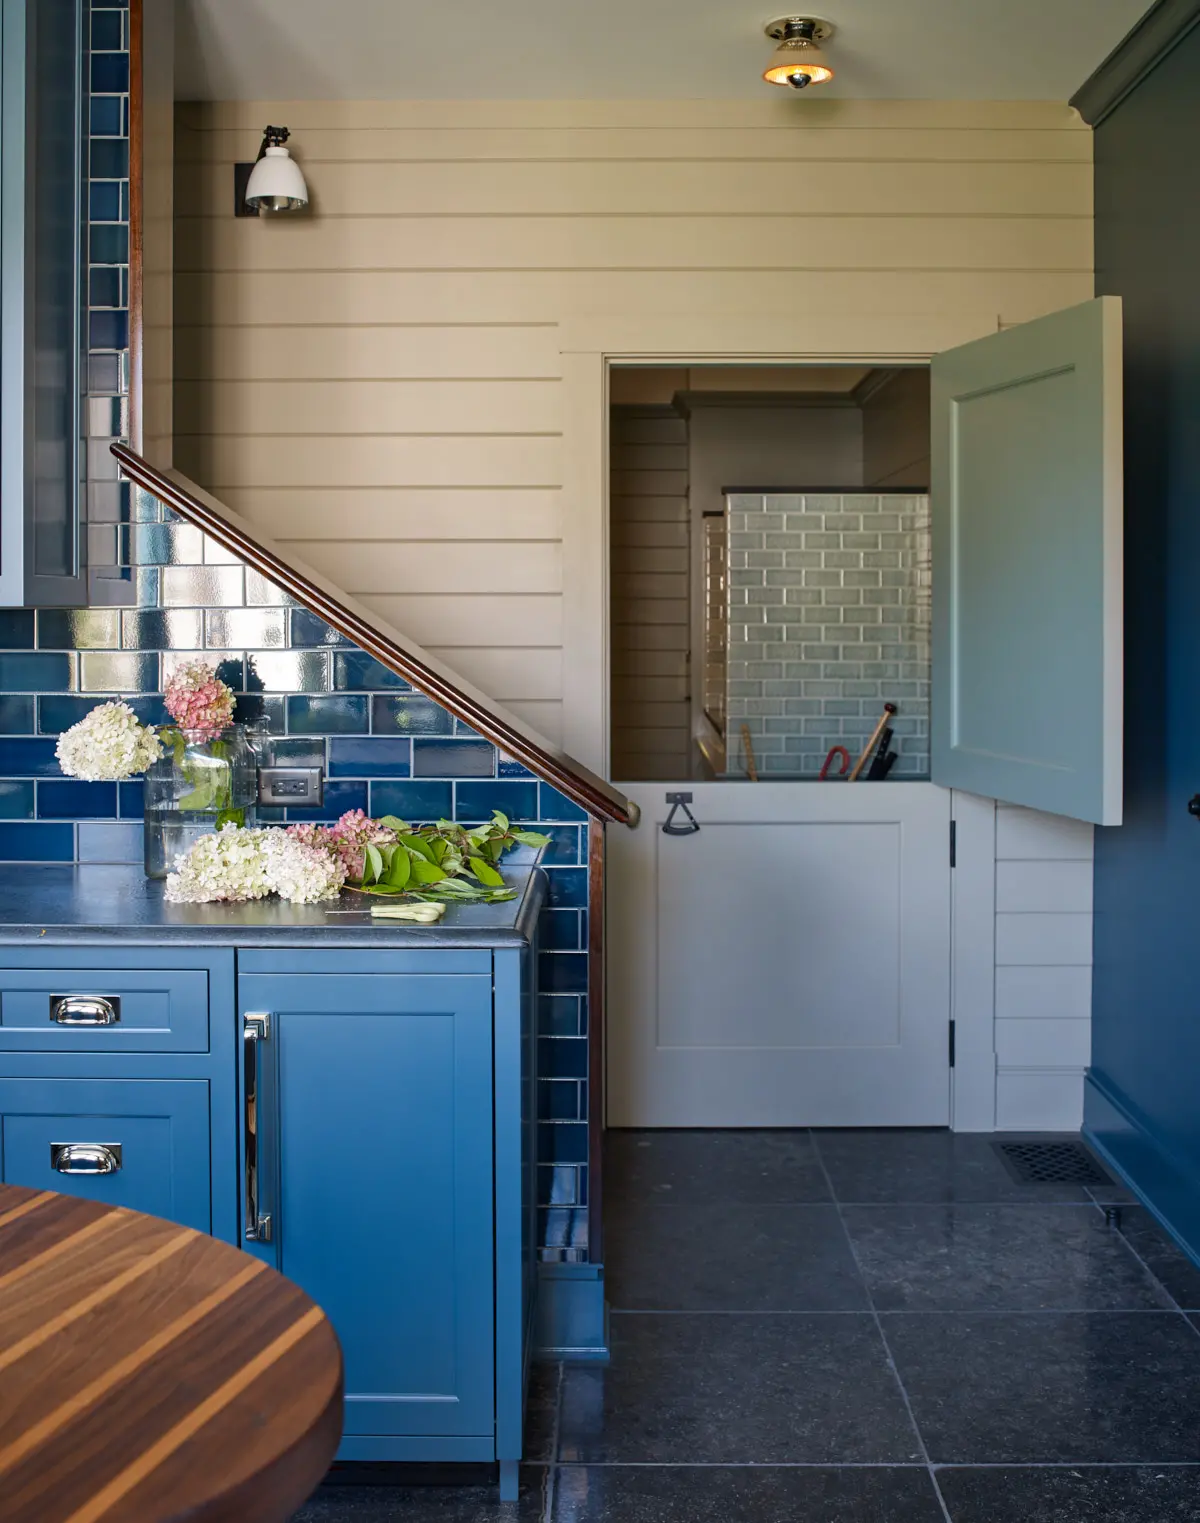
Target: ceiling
[(634, 49)]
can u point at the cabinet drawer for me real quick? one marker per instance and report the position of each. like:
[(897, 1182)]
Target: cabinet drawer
[(152, 1134), (103, 1010)]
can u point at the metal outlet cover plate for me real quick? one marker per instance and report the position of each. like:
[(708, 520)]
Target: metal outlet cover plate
[(291, 787)]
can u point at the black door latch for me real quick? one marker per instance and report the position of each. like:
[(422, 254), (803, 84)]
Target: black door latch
[(679, 801), (1194, 806)]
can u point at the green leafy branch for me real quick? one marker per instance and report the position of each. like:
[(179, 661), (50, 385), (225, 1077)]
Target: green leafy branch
[(444, 862)]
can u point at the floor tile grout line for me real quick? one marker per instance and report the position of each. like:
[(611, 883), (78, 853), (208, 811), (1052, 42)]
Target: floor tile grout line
[(887, 1348), (915, 1311), (938, 1465), (1175, 1306)]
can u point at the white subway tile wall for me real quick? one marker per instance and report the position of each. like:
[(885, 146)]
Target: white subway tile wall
[(829, 612)]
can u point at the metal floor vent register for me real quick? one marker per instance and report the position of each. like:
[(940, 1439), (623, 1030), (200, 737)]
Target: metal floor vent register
[(1051, 1163)]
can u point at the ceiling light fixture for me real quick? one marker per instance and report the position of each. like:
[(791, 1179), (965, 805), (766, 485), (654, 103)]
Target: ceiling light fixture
[(798, 60), (274, 183)]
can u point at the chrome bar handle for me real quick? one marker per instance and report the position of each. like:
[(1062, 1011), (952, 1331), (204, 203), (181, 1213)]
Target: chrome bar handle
[(85, 1009), (86, 1157), (256, 1029)]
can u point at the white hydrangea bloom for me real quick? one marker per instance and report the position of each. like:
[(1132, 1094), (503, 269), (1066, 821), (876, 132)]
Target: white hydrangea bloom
[(299, 872), (228, 865), (109, 744)]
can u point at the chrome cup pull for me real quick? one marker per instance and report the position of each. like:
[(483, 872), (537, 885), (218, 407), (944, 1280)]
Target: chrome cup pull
[(86, 1157), (256, 1029), (85, 1009)]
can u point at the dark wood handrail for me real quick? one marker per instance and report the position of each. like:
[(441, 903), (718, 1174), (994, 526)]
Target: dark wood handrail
[(375, 635)]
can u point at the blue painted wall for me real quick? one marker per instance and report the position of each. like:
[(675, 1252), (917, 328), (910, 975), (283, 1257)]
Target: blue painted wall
[(1144, 1097), (171, 595)]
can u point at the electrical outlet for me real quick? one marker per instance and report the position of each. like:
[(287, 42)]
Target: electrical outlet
[(291, 787)]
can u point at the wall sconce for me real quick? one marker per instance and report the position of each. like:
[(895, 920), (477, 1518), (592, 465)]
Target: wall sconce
[(273, 183), (798, 60)]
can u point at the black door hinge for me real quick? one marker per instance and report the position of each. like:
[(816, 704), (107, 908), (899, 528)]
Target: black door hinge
[(953, 843), (951, 1044)]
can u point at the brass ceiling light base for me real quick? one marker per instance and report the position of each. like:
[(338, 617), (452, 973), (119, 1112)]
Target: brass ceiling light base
[(822, 30), (798, 60)]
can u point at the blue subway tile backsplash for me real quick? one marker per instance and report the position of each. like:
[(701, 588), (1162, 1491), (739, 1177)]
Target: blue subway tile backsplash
[(160, 595)]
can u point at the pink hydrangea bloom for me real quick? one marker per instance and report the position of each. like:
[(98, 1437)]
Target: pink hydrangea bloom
[(198, 701), (347, 838)]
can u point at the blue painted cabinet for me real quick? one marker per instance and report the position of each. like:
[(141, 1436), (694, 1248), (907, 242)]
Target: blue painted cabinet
[(362, 1120)]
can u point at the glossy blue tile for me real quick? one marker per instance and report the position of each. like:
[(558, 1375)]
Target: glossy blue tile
[(70, 799), (506, 767), (161, 629), (78, 628), (110, 74), (566, 845), (16, 799), (108, 330), (308, 629), (340, 714), (568, 888), (370, 756), (558, 931), (29, 842), (556, 806), (109, 671), (56, 714), (131, 797), (453, 758), (338, 798), (296, 751), (104, 373), (155, 544), (287, 671), (412, 801), (562, 1057), (37, 672), (563, 972), (354, 670), (249, 627), (28, 758), (104, 842), (559, 1015), (108, 242), (476, 801), (563, 1143), (107, 30), (106, 288), (104, 201), (261, 710), (107, 116), (409, 715), (16, 629), (558, 1100), (16, 714)]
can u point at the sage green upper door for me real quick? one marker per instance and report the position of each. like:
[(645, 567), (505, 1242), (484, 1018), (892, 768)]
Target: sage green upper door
[(1027, 564)]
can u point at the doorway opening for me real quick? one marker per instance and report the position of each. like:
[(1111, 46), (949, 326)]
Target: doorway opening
[(769, 569)]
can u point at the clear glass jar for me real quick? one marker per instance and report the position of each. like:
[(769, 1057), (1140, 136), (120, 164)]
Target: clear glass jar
[(198, 784)]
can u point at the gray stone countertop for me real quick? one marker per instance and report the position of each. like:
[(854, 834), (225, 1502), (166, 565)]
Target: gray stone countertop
[(59, 905)]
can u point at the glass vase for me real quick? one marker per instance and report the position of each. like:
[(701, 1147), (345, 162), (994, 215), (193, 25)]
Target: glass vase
[(200, 783)]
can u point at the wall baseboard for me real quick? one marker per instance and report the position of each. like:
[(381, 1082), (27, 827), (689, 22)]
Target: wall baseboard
[(1164, 1185), (572, 1315)]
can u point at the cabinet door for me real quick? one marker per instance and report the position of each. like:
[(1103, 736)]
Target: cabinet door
[(141, 1143), (373, 1128)]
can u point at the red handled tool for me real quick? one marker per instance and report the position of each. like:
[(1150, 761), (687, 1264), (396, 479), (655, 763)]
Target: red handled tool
[(843, 765)]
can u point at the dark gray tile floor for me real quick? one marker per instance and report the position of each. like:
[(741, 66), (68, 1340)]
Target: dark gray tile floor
[(858, 1327)]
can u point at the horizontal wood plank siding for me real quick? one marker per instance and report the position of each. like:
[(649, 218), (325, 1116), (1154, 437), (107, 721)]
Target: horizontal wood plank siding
[(1043, 968), (378, 383)]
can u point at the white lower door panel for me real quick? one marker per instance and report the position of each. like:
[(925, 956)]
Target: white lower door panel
[(788, 964)]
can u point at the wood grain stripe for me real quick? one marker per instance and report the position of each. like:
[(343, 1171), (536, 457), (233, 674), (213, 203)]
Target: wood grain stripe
[(158, 1452), (101, 1225), (97, 1298), (117, 1372), (26, 1207)]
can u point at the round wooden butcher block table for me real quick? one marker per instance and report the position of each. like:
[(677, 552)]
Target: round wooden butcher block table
[(149, 1373)]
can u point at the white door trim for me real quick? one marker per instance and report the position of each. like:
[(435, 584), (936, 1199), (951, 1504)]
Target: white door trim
[(589, 345)]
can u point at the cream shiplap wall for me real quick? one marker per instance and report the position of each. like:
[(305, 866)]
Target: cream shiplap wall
[(378, 384)]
